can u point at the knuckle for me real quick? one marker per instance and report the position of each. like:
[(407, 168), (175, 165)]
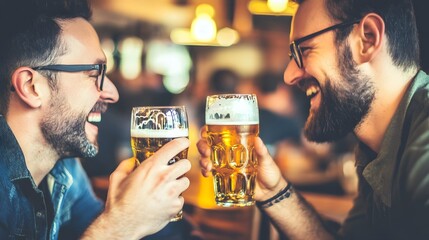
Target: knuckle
[(113, 176)]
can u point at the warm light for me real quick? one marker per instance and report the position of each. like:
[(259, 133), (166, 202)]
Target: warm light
[(172, 61), (227, 37), (272, 7), (203, 31), (131, 50), (203, 28), (176, 83), (277, 5), (180, 35), (205, 9)]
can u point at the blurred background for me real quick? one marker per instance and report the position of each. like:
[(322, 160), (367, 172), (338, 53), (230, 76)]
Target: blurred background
[(176, 52)]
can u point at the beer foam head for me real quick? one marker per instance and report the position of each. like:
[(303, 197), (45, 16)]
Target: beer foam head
[(159, 118), (230, 109), (151, 133)]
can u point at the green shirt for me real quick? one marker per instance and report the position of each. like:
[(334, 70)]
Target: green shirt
[(393, 199)]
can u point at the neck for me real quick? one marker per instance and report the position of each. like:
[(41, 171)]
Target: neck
[(39, 156), (390, 86)]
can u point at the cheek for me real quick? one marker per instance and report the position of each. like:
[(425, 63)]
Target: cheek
[(82, 99)]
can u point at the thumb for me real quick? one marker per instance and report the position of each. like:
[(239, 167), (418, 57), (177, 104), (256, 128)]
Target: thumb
[(269, 174), (122, 171), (262, 152)]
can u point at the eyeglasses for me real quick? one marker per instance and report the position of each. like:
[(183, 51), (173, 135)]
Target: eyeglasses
[(101, 68), (295, 50)]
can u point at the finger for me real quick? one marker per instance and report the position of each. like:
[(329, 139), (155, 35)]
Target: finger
[(182, 184), (169, 150), (269, 174), (125, 168), (203, 131), (261, 151), (206, 166), (121, 172), (178, 169), (203, 148)]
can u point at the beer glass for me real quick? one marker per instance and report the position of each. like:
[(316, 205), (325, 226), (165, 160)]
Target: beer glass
[(232, 122), (154, 126)]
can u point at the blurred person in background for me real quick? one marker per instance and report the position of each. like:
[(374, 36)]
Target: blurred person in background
[(220, 81), (358, 62), (277, 107), (53, 90)]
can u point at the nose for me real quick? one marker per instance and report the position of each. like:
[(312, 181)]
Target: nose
[(293, 73), (110, 93)]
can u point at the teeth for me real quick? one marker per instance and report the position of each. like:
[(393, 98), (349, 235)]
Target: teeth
[(94, 117), (311, 91)]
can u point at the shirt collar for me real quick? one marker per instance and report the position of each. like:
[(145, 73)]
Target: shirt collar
[(379, 172), (61, 174), (12, 157), (11, 154)]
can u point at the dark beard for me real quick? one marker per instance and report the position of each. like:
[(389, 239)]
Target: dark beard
[(345, 102), (65, 131)]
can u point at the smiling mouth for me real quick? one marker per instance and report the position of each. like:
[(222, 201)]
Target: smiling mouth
[(312, 91), (310, 86), (94, 117)]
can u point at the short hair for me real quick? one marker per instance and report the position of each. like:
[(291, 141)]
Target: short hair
[(30, 36), (268, 82), (400, 25), (223, 81)]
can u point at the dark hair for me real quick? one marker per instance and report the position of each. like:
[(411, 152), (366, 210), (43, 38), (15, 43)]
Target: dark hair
[(400, 25), (223, 81), (30, 36), (268, 82)]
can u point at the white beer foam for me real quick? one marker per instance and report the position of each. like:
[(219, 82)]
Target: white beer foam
[(239, 123), (151, 133), (232, 111)]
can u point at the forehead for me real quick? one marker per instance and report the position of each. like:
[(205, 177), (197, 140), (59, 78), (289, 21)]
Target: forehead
[(82, 42), (310, 17)]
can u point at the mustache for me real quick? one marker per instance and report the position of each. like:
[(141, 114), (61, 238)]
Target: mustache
[(99, 107), (304, 84)]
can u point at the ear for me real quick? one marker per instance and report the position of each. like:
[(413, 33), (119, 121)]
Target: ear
[(23, 84), (370, 37)]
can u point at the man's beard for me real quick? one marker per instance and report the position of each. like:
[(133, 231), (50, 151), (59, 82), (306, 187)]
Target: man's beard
[(345, 102), (64, 130)]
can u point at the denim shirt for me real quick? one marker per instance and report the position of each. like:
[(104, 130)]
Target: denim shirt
[(23, 209)]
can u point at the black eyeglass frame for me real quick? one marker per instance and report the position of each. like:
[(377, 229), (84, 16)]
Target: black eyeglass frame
[(101, 68), (295, 50)]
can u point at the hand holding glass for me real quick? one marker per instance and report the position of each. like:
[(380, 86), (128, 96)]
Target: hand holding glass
[(232, 125), (152, 127)]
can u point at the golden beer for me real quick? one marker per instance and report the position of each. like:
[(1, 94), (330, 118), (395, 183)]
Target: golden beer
[(153, 127), (232, 122), (145, 143), (234, 163)]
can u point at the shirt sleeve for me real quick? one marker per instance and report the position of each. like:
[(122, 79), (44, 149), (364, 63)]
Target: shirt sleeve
[(85, 207)]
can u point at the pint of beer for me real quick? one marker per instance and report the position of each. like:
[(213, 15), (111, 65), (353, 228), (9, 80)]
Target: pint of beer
[(232, 124), (152, 127)]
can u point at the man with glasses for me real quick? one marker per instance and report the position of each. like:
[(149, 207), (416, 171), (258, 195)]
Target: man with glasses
[(358, 63), (53, 90)]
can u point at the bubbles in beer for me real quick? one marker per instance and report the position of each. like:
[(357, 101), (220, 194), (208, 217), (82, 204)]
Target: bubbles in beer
[(232, 126), (234, 163)]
